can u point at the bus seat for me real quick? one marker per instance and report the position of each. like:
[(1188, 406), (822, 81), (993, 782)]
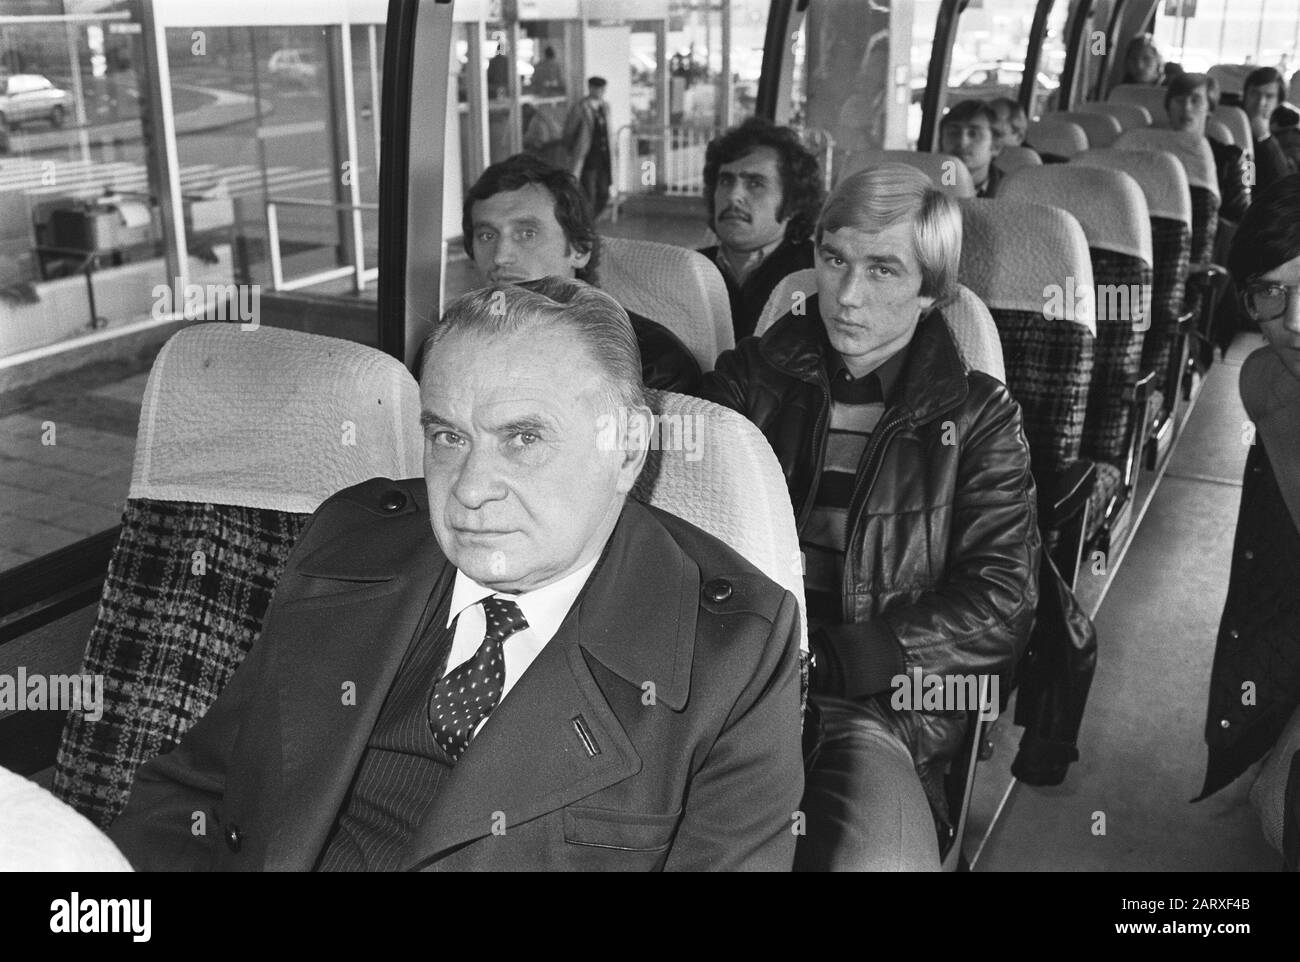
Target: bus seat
[(1231, 77), (39, 833), (1293, 89), (1216, 128), (723, 477), (242, 435), (1100, 129), (1112, 210), (1129, 116), (968, 319), (948, 173), (1235, 119), (1052, 135), (1013, 254), (673, 286), (1013, 157), (1169, 204), (1143, 95)]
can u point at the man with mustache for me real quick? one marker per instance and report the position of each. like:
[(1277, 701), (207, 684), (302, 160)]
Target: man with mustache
[(968, 132), (524, 220), (763, 189), (917, 517), (547, 675)]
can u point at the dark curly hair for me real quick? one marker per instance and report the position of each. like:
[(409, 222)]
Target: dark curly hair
[(801, 179), (571, 207)]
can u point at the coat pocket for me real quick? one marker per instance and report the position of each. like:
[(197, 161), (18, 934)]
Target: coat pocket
[(625, 831)]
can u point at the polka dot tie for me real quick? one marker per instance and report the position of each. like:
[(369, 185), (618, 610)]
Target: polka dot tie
[(463, 697)]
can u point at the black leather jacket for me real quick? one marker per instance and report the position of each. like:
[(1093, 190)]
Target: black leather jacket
[(941, 571), (666, 363)]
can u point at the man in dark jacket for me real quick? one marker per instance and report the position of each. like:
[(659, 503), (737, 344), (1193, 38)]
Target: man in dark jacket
[(1254, 703), (763, 191), (525, 220), (916, 510), (1263, 92), (1189, 101)]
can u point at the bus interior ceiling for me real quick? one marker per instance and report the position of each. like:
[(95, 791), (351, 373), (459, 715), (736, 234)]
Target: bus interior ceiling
[(259, 125)]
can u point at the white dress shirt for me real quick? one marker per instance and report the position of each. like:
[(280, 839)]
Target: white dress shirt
[(544, 609)]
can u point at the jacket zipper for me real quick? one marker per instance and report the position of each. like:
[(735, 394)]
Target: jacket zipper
[(879, 438)]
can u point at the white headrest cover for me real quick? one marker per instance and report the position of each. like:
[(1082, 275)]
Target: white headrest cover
[(1191, 149), (712, 467), (40, 833), (1109, 204), (1051, 135), (1158, 173), (1100, 129), (1143, 95), (1021, 256), (948, 173), (673, 286), (1013, 157), (270, 418), (1128, 115)]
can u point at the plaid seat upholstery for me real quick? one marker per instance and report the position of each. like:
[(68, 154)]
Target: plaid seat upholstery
[(1049, 369), (1205, 224), (187, 589), (1118, 352), (1110, 482), (1171, 243)]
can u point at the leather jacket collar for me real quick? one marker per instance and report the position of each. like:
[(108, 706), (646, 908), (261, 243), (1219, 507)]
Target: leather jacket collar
[(932, 381)]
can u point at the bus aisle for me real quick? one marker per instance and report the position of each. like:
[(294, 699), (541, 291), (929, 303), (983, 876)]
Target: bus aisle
[(1156, 626)]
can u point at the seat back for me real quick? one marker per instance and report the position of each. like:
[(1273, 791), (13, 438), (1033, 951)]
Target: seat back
[(1220, 132), (713, 468), (968, 319), (1013, 157), (1129, 116), (1193, 152), (1145, 96), (1231, 77), (242, 435), (948, 173), (1169, 204), (1238, 124), (1013, 253), (673, 286), (1112, 210), (1052, 135), (1100, 129)]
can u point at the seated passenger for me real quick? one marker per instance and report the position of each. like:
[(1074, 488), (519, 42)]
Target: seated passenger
[(1013, 122), (1262, 93), (1142, 61), (967, 132), (507, 664), (882, 432), (1285, 125), (763, 189), (524, 220), (1256, 650), (1189, 100)]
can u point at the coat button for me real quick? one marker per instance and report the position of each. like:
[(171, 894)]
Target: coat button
[(233, 838), (1234, 634), (1248, 555), (393, 500), (1224, 723), (717, 590)]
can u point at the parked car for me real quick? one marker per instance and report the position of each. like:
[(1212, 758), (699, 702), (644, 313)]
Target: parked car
[(985, 81), (29, 96), (294, 64)]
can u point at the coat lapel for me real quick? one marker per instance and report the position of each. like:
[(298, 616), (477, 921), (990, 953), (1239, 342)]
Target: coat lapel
[(350, 640), (530, 758)]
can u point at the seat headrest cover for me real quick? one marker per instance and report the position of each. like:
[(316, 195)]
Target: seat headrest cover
[(1220, 131), (1013, 157), (39, 833), (1143, 95), (1109, 204), (1191, 149), (1128, 115), (672, 286), (712, 467), (1050, 135), (975, 332), (968, 319), (948, 173), (1101, 129), (1231, 77), (269, 418), (1158, 173), (1021, 256), (1235, 119)]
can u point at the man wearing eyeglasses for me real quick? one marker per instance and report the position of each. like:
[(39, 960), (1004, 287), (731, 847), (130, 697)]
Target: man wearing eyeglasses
[(1255, 683)]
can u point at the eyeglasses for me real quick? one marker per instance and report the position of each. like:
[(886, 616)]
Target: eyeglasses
[(1266, 301)]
